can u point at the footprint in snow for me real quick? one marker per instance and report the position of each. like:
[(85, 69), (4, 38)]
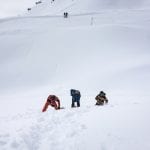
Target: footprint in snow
[(4, 139)]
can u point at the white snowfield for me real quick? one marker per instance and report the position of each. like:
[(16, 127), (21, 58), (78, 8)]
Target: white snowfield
[(102, 45)]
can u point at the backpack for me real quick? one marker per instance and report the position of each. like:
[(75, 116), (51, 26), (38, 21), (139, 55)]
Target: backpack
[(102, 94), (75, 93), (72, 91)]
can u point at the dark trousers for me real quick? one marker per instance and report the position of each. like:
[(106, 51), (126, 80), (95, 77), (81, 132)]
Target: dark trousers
[(73, 103)]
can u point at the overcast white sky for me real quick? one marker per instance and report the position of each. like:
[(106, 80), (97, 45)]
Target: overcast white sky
[(14, 7)]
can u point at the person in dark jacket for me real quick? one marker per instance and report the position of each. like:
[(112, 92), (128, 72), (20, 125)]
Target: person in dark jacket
[(75, 97), (101, 98), (53, 101)]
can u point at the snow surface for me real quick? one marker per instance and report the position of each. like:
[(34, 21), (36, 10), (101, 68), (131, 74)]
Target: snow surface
[(42, 53), (14, 7)]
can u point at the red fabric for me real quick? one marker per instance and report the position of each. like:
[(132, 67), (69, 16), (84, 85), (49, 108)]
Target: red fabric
[(45, 107), (53, 101)]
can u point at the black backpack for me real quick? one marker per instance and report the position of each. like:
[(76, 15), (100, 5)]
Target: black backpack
[(74, 92)]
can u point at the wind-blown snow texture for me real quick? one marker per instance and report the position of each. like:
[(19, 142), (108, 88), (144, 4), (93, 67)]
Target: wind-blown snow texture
[(95, 48)]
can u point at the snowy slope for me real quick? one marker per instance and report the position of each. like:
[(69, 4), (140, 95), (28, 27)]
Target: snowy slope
[(37, 48), (98, 5), (58, 7), (14, 8), (42, 55)]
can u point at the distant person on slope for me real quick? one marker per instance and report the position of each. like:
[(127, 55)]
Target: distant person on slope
[(101, 98), (65, 14), (53, 101), (75, 97)]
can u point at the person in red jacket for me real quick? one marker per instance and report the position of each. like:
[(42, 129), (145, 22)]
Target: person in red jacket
[(53, 101)]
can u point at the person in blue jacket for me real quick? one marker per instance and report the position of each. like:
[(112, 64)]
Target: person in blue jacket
[(75, 97)]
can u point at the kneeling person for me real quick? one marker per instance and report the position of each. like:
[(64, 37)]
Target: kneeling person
[(53, 101), (101, 98)]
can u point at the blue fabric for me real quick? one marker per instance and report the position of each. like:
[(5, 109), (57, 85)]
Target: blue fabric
[(75, 95)]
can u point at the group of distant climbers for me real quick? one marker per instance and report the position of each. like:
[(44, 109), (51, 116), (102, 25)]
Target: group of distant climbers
[(54, 101), (39, 2)]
